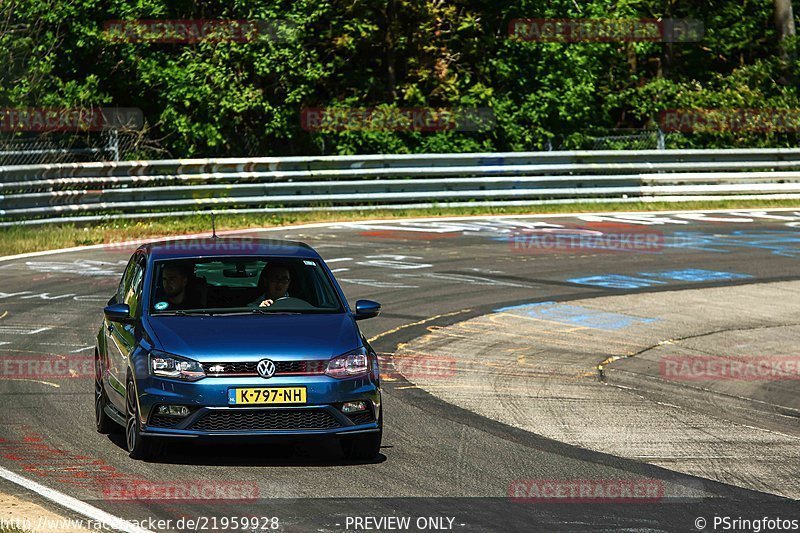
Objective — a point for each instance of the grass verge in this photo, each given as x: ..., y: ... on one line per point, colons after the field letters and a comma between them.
x: 22, y: 239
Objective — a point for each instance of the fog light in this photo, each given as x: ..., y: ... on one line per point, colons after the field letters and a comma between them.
x: 173, y: 410
x: 353, y: 407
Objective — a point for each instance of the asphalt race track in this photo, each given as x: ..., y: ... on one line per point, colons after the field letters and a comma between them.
x: 443, y: 464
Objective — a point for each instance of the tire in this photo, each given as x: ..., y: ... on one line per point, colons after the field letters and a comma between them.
x: 363, y: 447
x: 104, y: 423
x: 139, y: 447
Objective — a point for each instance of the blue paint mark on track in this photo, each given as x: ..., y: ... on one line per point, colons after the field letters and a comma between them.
x: 617, y: 281
x: 575, y: 315
x: 649, y: 279
x: 695, y: 274
x: 780, y: 242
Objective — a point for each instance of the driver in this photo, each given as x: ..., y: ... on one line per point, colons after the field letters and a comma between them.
x: 277, y: 280
x: 175, y: 284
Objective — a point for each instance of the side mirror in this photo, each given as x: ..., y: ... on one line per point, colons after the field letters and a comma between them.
x: 367, y: 309
x: 118, y: 313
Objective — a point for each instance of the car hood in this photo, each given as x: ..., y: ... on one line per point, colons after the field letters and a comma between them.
x: 252, y: 337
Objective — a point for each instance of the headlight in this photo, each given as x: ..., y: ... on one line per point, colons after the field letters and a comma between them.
x: 169, y: 366
x: 349, y: 365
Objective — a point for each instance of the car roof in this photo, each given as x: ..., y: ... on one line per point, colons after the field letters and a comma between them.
x: 226, y: 246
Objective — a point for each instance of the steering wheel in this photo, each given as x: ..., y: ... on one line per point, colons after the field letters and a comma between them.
x: 291, y: 302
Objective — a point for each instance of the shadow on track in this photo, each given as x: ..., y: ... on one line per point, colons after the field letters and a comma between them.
x: 323, y: 452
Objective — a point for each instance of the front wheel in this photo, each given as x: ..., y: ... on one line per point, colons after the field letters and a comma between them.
x: 139, y: 447
x: 103, y: 422
x: 363, y: 447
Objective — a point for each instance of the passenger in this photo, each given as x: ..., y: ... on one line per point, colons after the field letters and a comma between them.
x: 175, y: 284
x: 275, y: 280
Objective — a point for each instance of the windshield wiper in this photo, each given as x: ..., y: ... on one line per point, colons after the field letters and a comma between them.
x: 256, y: 311
x: 181, y: 312
x: 266, y: 311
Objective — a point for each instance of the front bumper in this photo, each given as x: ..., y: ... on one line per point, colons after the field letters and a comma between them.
x: 212, y: 417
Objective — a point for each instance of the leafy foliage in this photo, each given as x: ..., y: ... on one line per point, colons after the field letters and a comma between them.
x: 218, y: 97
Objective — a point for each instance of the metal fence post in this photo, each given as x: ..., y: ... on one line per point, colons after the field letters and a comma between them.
x: 661, y: 144
x: 113, y: 144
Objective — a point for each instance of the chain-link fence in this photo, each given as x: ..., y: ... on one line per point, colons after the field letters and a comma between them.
x: 115, y: 145
x: 614, y: 139
x: 51, y: 148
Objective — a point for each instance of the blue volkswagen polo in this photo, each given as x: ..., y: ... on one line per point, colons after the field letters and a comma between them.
x: 225, y: 338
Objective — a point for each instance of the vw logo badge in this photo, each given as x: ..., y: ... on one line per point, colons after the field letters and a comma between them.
x: 266, y: 368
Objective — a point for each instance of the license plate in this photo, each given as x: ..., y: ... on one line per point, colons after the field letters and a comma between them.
x: 267, y: 395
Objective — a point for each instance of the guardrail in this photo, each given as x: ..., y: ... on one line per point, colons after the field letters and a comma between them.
x: 38, y: 194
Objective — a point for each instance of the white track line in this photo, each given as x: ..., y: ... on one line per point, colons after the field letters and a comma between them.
x: 73, y: 504
x: 378, y: 221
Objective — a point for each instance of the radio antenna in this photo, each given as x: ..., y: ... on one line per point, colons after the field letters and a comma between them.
x: 213, y: 226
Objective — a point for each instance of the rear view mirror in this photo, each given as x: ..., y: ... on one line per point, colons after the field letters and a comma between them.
x: 118, y: 313
x: 239, y: 272
x: 367, y: 309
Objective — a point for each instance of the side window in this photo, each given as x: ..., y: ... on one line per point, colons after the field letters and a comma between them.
x: 325, y: 292
x: 125, y: 282
x: 133, y: 294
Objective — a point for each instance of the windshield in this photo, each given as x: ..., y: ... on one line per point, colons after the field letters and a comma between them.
x: 241, y: 285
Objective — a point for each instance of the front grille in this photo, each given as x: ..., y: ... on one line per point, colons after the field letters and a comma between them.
x: 361, y: 418
x: 281, y: 368
x: 268, y: 419
x: 230, y: 368
x: 161, y: 421
x: 300, y: 367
